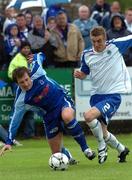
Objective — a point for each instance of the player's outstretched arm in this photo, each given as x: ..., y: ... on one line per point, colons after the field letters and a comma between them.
x: 7, y: 147
x: 79, y: 74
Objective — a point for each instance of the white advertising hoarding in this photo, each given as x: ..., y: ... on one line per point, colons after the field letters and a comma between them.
x: 82, y: 97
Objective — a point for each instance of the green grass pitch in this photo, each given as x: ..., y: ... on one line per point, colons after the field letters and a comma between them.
x: 30, y: 162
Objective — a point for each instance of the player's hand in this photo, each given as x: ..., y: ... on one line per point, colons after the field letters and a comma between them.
x: 30, y: 58
x: 79, y: 74
x: 7, y: 147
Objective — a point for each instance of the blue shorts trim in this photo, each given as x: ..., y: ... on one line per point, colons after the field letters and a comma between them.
x: 53, y: 122
x: 107, y: 104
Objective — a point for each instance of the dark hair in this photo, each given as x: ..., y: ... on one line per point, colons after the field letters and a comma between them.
x: 21, y: 15
x: 129, y: 9
x: 19, y: 72
x: 51, y: 18
x: 25, y: 43
x: 27, y: 12
x: 9, y: 27
x: 60, y: 12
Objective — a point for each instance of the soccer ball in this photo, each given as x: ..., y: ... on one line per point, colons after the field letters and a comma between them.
x: 58, y: 161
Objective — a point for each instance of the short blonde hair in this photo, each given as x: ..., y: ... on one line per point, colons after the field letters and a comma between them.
x: 97, y: 31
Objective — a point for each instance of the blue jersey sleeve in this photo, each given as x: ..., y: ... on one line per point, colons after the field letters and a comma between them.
x: 84, y: 67
x: 36, y: 66
x: 39, y: 57
x: 15, y: 123
x: 18, y: 113
x: 123, y: 43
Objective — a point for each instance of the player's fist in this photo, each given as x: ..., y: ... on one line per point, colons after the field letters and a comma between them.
x: 79, y: 74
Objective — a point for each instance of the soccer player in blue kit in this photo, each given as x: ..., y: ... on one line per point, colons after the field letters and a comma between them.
x: 109, y: 76
x: 39, y: 93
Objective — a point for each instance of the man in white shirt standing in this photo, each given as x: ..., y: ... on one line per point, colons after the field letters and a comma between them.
x: 105, y: 65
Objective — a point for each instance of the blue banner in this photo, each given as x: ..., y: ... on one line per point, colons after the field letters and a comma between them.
x: 2, y: 84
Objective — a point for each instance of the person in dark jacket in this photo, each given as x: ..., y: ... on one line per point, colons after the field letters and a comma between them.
x: 41, y: 40
x: 12, y: 41
x: 99, y: 10
x: 114, y: 8
x: 3, y: 58
x: 118, y: 29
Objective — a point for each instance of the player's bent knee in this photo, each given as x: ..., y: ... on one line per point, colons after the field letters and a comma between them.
x: 87, y: 116
x: 67, y: 118
x: 67, y: 115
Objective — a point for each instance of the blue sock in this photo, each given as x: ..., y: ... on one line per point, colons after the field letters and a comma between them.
x: 66, y: 152
x: 77, y: 133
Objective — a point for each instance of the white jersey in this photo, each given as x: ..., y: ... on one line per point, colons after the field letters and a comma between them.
x: 107, y: 69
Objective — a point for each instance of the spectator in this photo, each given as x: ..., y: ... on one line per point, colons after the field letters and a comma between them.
x: 52, y: 11
x: 118, y: 29
x: 128, y: 19
x: 21, y: 60
x: 29, y: 19
x: 51, y: 23
x: 2, y: 19
x: 10, y: 15
x: 85, y: 24
x: 12, y: 41
x: 41, y: 40
x: 99, y: 10
x: 3, y: 57
x: 21, y: 22
x: 69, y: 40
x: 114, y: 8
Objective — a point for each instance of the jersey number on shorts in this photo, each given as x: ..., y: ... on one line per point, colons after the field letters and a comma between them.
x: 106, y: 107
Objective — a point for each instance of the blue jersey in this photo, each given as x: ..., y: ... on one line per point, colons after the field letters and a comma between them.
x: 107, y: 69
x: 44, y: 96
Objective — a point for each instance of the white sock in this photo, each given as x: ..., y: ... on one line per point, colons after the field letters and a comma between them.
x: 96, y: 129
x: 114, y: 143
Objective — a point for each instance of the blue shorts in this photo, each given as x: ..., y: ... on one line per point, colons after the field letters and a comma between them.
x: 53, y: 122
x: 107, y: 104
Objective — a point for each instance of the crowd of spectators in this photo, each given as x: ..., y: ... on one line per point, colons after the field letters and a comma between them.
x: 61, y: 39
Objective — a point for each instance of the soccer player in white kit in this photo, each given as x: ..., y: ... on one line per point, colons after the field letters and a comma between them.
x: 105, y: 65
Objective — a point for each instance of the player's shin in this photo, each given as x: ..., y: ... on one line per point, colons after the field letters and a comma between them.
x: 76, y: 131
x: 96, y: 129
x: 114, y: 143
